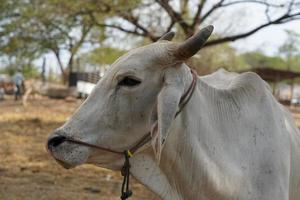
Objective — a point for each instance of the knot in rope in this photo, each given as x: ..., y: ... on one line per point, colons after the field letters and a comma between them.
x: 125, y: 191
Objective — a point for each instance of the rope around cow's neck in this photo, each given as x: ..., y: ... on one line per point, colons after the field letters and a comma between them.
x: 125, y: 171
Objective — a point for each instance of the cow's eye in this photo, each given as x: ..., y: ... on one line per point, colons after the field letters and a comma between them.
x: 129, y: 81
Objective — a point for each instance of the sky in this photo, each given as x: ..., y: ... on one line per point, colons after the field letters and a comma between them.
x: 268, y: 40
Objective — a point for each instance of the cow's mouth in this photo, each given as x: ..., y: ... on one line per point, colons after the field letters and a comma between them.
x: 60, y: 162
x: 64, y: 164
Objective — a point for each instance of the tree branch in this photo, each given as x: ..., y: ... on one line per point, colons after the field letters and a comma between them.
x: 183, y: 6
x: 96, y: 23
x: 57, y: 56
x: 290, y: 6
x: 221, y: 4
x: 175, y: 17
x: 213, y: 8
x: 254, y: 1
x: 283, y: 19
x: 133, y: 20
x: 85, y: 32
x: 197, y: 19
x: 75, y: 47
x: 170, y: 26
x: 267, y: 13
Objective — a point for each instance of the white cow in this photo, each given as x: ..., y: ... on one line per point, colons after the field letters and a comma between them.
x: 232, y: 140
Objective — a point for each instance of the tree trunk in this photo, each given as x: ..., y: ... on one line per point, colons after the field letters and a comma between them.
x: 64, y: 73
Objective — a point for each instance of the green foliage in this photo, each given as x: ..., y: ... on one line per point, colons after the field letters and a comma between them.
x: 257, y: 59
x: 7, y: 70
x: 290, y: 49
x: 29, y: 70
x: 103, y: 55
x: 100, y: 57
x: 215, y: 57
x: 289, y: 59
x: 292, y: 44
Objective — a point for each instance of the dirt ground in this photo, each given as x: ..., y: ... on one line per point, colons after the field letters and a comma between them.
x: 27, y: 171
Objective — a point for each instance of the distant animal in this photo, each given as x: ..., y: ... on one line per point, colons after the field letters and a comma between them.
x: 231, y: 141
x: 34, y: 89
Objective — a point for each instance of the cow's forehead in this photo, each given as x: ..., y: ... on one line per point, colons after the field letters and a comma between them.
x: 149, y: 56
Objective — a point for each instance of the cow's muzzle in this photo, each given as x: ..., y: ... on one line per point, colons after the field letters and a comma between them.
x: 54, y: 141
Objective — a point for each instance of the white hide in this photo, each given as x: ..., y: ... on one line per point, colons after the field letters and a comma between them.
x: 232, y: 141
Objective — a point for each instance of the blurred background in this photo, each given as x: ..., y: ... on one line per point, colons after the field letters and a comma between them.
x: 53, y: 52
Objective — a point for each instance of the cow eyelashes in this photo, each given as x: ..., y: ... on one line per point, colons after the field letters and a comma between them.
x: 129, y: 82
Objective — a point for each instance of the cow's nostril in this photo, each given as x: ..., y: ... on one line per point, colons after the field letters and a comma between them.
x: 56, y: 140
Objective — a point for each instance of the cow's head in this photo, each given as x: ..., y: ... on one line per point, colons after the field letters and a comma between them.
x: 143, y: 87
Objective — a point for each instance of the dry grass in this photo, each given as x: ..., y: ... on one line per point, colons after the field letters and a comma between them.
x: 27, y: 172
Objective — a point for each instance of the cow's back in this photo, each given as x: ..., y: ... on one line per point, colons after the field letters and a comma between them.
x: 282, y: 134
x: 294, y: 136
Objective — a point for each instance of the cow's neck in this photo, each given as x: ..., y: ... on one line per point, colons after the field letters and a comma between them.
x: 187, y: 169
x: 173, y: 178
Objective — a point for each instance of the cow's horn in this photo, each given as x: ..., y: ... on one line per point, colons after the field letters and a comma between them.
x: 167, y: 36
x: 192, y: 45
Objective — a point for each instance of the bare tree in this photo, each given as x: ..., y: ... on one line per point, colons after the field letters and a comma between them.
x: 188, y: 15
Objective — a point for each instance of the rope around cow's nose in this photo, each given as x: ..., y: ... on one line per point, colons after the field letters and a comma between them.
x: 125, y: 191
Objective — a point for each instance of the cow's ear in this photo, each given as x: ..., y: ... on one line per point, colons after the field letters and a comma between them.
x: 167, y: 106
x: 167, y: 36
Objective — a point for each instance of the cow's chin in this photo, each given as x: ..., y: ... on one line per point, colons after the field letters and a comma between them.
x: 64, y: 164
x: 70, y: 157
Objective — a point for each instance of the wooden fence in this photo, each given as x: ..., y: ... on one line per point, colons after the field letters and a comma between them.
x: 91, y: 77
